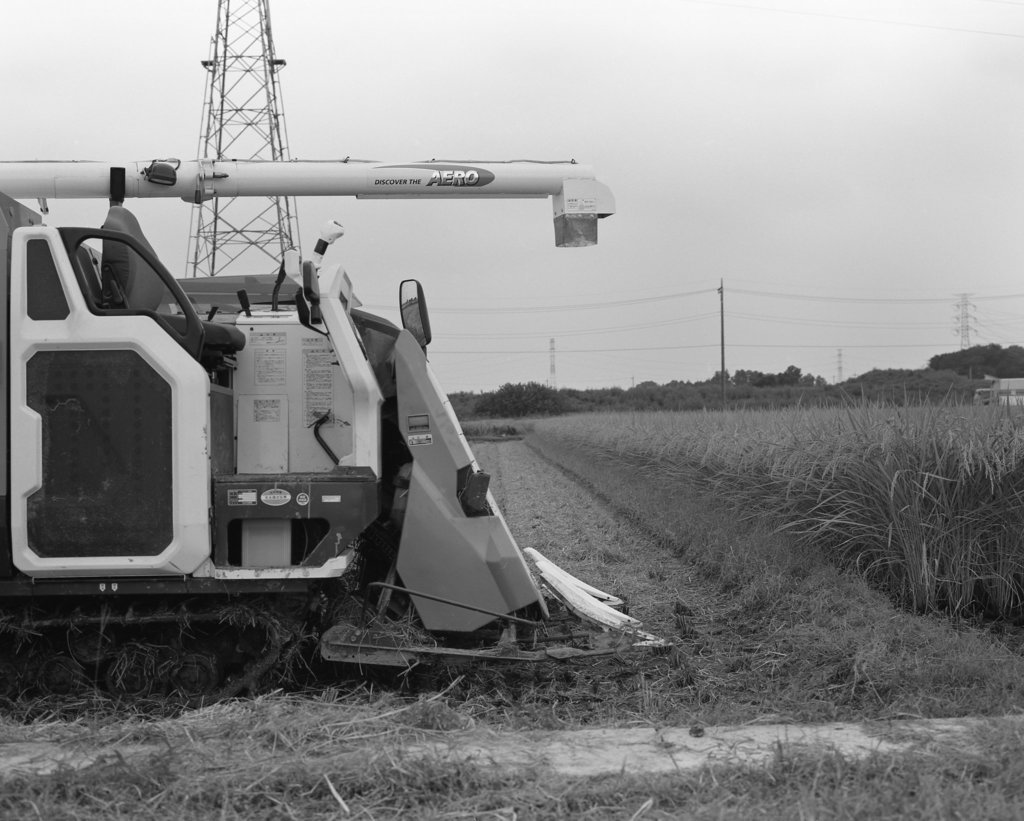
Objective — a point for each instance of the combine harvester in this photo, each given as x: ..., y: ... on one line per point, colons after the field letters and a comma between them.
x: 207, y: 480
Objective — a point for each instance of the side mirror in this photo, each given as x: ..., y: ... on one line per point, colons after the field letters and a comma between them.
x: 414, y: 311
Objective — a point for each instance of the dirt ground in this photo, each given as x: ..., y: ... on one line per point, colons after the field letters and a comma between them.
x: 551, y: 512
x: 575, y: 753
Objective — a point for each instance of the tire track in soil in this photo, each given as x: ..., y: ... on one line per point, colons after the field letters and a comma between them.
x: 734, y: 666
x: 550, y: 510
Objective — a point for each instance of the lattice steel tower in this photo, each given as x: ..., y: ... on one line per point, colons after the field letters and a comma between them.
x: 965, y: 320
x: 243, y: 119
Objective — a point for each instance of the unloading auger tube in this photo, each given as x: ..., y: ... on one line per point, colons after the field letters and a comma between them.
x: 205, y: 477
x: 578, y: 199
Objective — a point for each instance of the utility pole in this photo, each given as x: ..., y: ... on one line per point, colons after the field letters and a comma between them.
x: 839, y: 366
x: 552, y: 380
x: 243, y: 119
x: 721, y: 322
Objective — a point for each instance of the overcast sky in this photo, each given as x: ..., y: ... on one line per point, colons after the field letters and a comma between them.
x: 849, y: 169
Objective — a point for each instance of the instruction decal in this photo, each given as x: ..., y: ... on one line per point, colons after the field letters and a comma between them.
x: 270, y: 360
x: 242, y: 498
x: 318, y: 366
x: 266, y: 410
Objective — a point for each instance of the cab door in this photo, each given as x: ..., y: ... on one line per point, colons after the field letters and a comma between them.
x: 109, y: 418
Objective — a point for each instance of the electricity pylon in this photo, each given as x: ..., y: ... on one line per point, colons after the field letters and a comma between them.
x: 243, y: 119
x: 964, y: 320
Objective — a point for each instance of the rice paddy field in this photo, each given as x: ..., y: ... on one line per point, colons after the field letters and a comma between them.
x: 926, y: 502
x: 810, y: 567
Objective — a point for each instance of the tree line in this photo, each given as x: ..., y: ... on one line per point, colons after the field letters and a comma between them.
x: 948, y: 377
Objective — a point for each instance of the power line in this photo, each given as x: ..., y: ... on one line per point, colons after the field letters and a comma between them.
x: 786, y: 320
x: 851, y: 299
x: 534, y: 309
x: 794, y: 346
x: 850, y: 17
x: 584, y: 332
x: 872, y: 300
x: 578, y: 306
x: 997, y: 296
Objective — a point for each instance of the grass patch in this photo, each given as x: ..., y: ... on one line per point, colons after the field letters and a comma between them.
x: 786, y: 635
x: 254, y: 775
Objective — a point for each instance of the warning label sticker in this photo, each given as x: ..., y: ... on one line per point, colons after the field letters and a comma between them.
x: 317, y: 379
x: 270, y: 361
x: 267, y: 338
x: 271, y: 366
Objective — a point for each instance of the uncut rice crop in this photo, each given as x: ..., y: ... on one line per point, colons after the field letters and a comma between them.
x: 927, y: 502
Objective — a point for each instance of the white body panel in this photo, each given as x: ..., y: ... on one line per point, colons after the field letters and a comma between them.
x: 189, y: 385
x: 288, y: 377
x: 285, y: 365
x: 335, y: 293
x: 330, y: 569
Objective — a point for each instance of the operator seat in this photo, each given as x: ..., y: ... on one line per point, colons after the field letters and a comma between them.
x: 127, y: 281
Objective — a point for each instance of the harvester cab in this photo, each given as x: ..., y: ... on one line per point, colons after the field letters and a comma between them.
x: 205, y: 474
